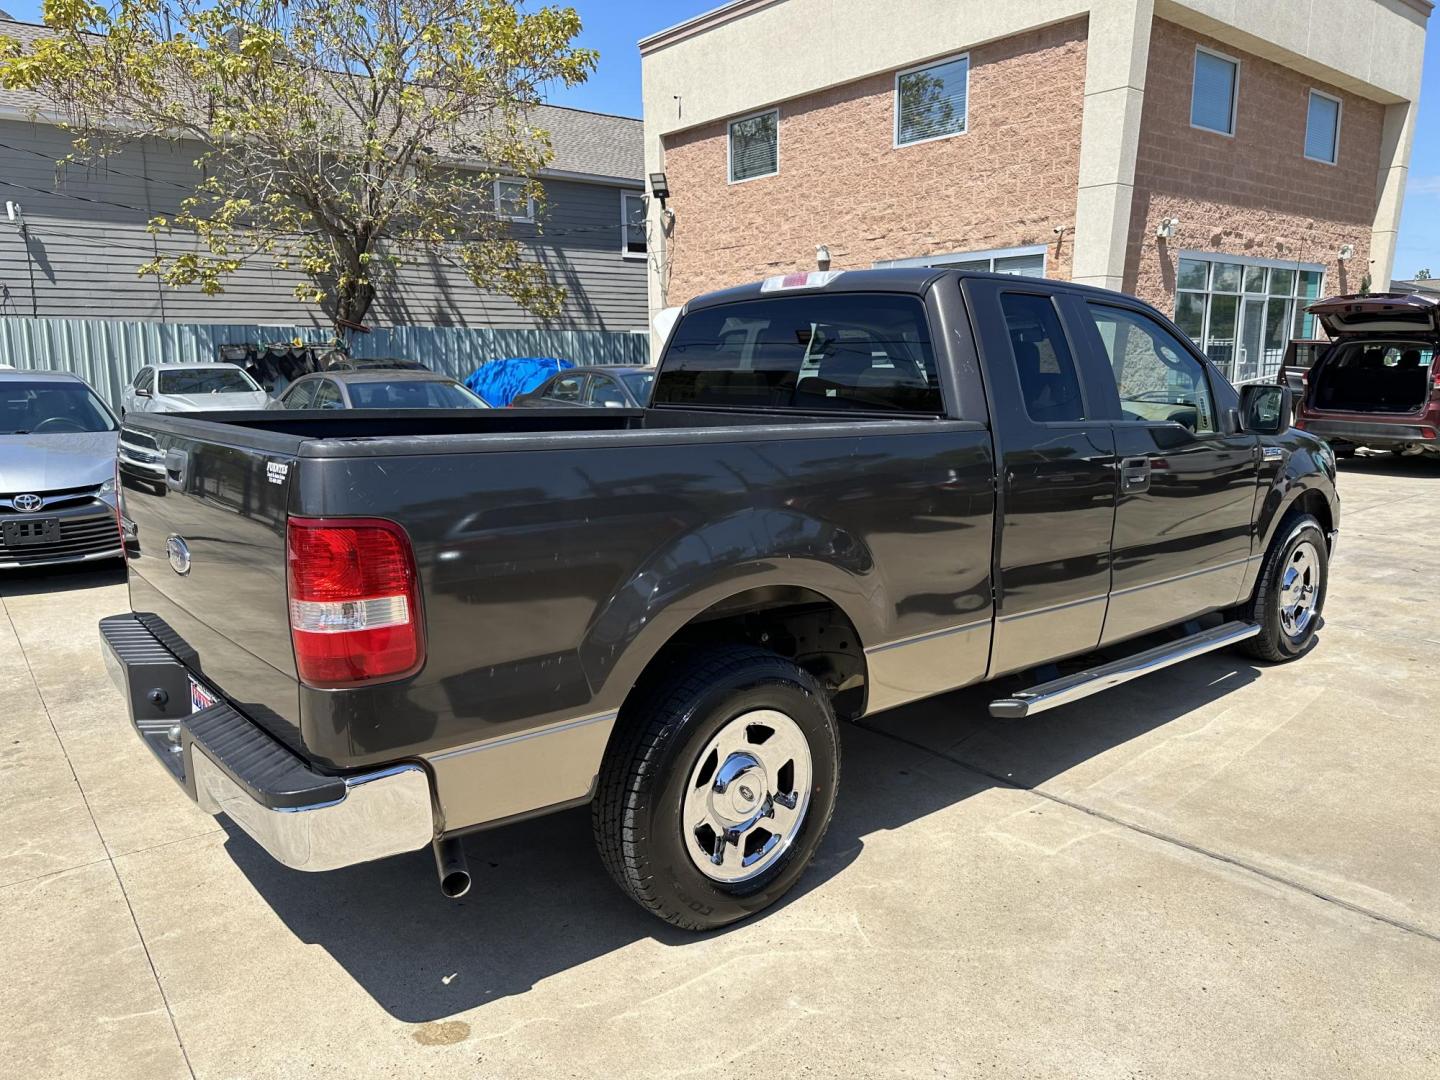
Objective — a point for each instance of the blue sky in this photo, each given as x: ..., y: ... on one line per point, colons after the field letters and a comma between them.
x: 614, y: 26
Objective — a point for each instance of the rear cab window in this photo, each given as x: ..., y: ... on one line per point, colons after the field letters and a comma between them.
x: 858, y: 352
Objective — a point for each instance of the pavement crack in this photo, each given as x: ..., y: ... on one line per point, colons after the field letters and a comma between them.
x: 1164, y: 838
x: 109, y: 856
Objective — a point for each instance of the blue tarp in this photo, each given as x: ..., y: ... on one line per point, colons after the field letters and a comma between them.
x: 500, y: 382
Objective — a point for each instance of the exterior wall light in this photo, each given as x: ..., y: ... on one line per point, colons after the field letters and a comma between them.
x: 659, y: 187
x: 1346, y: 252
x: 1166, y: 229
x: 822, y: 257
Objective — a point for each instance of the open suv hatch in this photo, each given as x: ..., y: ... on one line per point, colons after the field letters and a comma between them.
x: 1378, y: 384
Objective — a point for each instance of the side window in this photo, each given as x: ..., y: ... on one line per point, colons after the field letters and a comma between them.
x: 327, y: 396
x: 818, y: 353
x: 1157, y: 377
x: 567, y: 389
x: 301, y: 395
x: 604, y: 393
x: 1049, y: 382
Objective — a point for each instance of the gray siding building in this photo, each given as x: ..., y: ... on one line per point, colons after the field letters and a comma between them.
x: 77, y: 235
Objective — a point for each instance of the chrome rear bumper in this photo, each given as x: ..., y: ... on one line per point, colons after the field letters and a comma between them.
x: 305, y: 819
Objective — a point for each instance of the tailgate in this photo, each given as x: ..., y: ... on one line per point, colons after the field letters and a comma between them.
x: 207, y: 556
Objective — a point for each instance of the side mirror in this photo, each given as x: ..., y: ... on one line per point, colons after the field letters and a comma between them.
x: 142, y: 393
x: 1265, y: 408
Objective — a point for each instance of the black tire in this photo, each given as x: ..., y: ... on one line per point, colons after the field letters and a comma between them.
x: 655, y: 751
x: 1275, y: 644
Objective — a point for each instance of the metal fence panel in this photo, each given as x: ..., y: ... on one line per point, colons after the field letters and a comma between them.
x: 107, y: 353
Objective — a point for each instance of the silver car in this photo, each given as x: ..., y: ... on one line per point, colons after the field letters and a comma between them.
x: 57, y: 471
x: 197, y: 387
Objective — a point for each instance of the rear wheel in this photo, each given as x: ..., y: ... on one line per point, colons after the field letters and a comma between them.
x: 719, y: 787
x: 1290, y: 593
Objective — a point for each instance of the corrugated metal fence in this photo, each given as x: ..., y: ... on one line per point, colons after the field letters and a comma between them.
x: 107, y: 353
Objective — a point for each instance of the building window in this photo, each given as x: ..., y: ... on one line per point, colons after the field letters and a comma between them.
x: 931, y: 102
x: 1242, y: 311
x: 1026, y: 261
x: 513, y: 201
x: 1215, y: 92
x: 755, y: 146
x: 632, y: 224
x: 1322, y: 128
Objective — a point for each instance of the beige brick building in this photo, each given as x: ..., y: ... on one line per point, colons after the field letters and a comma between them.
x: 1225, y: 160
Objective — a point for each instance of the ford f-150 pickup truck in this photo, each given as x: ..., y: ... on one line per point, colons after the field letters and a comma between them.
x: 358, y: 635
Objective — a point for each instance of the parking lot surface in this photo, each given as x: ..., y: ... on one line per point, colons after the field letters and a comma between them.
x: 1222, y: 870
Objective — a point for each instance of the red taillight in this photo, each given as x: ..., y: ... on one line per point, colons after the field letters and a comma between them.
x: 354, y: 601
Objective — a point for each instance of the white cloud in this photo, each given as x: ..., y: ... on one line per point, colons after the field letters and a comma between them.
x: 1424, y: 185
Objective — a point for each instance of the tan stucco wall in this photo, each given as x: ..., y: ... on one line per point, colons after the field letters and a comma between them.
x: 1254, y: 194
x: 1006, y: 182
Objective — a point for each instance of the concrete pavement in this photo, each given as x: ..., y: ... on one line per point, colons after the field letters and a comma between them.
x: 1224, y: 870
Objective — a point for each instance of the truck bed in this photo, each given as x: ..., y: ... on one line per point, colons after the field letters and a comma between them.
x: 548, y: 543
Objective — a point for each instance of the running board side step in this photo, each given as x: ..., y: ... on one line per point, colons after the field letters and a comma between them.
x: 1095, y: 680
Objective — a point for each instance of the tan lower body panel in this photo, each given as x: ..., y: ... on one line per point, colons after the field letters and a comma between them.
x: 519, y: 774
x: 923, y: 666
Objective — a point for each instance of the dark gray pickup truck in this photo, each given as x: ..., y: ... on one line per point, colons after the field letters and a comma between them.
x: 359, y: 635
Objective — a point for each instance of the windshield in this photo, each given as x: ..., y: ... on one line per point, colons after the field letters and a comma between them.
x: 54, y: 407
x: 408, y: 394
x: 226, y: 380
x: 638, y: 383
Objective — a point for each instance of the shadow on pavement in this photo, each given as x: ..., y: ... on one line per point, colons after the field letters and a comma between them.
x: 72, y: 577
x: 542, y: 903
x: 1390, y: 465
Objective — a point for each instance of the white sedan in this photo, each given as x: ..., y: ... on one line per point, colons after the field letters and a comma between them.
x: 199, y: 387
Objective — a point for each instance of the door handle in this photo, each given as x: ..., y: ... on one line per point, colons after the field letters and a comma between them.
x: 1134, y: 475
x: 176, y: 463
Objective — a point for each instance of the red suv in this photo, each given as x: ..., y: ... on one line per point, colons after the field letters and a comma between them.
x: 1377, y: 385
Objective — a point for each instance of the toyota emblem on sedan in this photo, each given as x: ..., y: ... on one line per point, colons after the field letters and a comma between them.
x: 179, y: 554
x: 27, y: 504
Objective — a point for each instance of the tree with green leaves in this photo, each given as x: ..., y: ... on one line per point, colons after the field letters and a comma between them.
x: 337, y: 139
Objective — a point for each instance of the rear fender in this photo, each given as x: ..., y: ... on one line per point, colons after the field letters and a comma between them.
x: 751, y: 549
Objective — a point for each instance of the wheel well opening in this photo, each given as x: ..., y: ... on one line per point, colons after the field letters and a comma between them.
x: 798, y: 623
x: 1315, y: 504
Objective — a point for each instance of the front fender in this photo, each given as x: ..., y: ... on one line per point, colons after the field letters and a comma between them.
x: 750, y: 549
x: 1307, y: 465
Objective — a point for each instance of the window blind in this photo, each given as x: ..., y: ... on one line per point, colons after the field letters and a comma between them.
x: 755, y: 146
x: 1321, y: 128
x: 1212, y: 99
x: 932, y: 102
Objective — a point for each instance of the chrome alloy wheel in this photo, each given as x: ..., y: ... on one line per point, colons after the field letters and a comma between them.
x: 747, y: 796
x: 1299, y: 589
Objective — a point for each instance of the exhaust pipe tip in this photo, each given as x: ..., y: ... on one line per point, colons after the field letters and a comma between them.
x: 455, y: 884
x: 450, y: 865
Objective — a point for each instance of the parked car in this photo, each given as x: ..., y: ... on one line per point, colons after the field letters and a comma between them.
x: 377, y: 390
x: 598, y: 387
x: 1378, y: 385
x: 342, y: 362
x: 664, y: 613
x: 57, y: 471
x: 1300, y: 357
x: 191, y: 387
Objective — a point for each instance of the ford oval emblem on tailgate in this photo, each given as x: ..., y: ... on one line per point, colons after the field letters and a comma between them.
x: 179, y: 554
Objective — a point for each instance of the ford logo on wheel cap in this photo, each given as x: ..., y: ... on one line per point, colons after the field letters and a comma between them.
x: 27, y: 504
x: 179, y: 554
